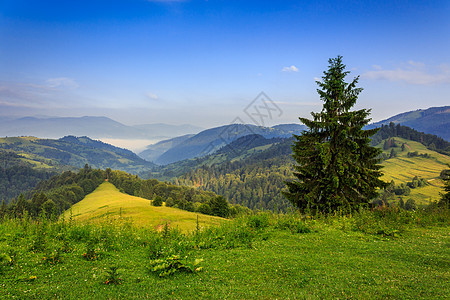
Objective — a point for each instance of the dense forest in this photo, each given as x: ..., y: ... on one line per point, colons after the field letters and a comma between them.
x: 255, y: 182
x: 18, y: 176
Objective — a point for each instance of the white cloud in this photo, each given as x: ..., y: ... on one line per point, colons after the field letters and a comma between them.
x: 62, y: 82
x: 317, y: 79
x: 17, y: 104
x: 416, y: 73
x: 290, y: 69
x: 152, y: 96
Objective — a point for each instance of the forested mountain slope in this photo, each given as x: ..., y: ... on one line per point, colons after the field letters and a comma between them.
x: 75, y: 152
x: 17, y: 175
x: 257, y: 180
x: 211, y: 140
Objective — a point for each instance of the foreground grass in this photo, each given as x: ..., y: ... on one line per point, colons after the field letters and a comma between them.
x: 107, y: 203
x: 257, y: 257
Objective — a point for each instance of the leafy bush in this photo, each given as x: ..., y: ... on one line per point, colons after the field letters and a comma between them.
x: 290, y: 222
x: 158, y: 201
x: 173, y: 264
x: 258, y: 221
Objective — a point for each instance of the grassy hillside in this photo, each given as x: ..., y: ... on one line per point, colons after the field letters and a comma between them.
x: 107, y: 202
x: 402, y: 169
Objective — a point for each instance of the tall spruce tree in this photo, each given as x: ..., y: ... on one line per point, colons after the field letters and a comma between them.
x: 445, y: 197
x: 336, y: 167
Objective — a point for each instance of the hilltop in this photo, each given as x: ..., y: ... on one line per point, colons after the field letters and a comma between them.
x: 108, y: 203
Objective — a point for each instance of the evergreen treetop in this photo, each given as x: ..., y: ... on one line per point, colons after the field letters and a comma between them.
x: 336, y: 166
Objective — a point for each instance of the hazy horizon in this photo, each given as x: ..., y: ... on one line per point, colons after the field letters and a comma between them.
x: 205, y: 62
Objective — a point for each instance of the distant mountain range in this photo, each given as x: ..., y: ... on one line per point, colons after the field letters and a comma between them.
x: 94, y: 127
x: 434, y: 120
x: 211, y: 140
x: 74, y: 152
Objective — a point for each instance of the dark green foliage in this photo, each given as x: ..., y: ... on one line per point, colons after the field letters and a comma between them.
x: 416, y: 183
x: 204, y: 208
x: 219, y: 206
x: 417, y: 154
x: 292, y: 223
x: 158, y: 201
x: 258, y: 221
x: 445, y: 197
x: 18, y: 176
x: 402, y: 189
x: 254, y: 182
x: 336, y: 167
x: 112, y: 276
x: 410, y: 204
x: 170, y: 202
x: 393, y: 153
x: 91, y: 252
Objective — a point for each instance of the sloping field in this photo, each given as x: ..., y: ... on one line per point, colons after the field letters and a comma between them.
x: 402, y: 169
x: 106, y: 202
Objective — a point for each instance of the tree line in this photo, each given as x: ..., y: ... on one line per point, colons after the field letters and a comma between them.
x: 431, y: 141
x: 58, y: 193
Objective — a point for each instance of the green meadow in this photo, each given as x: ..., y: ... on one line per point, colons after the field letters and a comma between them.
x: 384, y: 254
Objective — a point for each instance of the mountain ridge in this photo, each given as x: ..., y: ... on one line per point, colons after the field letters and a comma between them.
x: 433, y: 120
x: 96, y: 127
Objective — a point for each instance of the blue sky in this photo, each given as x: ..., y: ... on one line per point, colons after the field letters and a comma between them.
x: 204, y: 62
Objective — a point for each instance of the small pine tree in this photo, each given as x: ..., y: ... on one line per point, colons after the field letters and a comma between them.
x: 393, y: 153
x: 401, y: 203
x: 219, y: 206
x: 336, y: 166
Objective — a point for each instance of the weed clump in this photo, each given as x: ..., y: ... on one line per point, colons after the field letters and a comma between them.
x: 173, y: 264
x: 112, y: 276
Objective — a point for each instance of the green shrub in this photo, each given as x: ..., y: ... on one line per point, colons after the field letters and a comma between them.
x: 258, y: 221
x: 158, y: 201
x: 173, y: 264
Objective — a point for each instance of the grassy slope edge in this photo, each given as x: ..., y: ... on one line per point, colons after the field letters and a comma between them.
x: 107, y: 202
